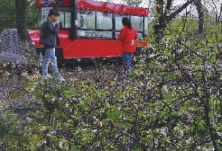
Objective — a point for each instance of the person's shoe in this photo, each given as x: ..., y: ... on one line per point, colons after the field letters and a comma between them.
x: 60, y: 77
x: 46, y: 76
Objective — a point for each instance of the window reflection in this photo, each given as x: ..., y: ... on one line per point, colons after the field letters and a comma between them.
x: 137, y: 22
x: 118, y: 21
x: 104, y: 20
x: 94, y: 34
x: 65, y: 19
x: 146, y: 25
x: 140, y: 35
x: 92, y: 24
x: 86, y: 19
x: 116, y: 35
x: 62, y: 19
x: 43, y: 13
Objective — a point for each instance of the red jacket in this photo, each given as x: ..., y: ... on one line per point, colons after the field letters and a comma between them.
x: 128, y: 36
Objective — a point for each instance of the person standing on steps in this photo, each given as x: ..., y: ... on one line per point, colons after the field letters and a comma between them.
x: 48, y: 40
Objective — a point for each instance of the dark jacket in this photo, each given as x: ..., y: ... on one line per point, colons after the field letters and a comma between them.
x: 48, y: 34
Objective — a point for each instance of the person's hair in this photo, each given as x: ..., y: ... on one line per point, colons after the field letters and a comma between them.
x: 126, y: 22
x: 53, y: 12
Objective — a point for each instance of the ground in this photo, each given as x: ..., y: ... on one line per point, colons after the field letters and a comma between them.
x: 17, y: 79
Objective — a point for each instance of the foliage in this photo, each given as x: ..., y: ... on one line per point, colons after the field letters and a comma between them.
x: 32, y: 15
x: 172, y: 101
x: 178, y: 26
x: 7, y: 11
x: 3, y: 128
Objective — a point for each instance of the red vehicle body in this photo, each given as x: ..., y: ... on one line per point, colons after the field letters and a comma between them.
x: 90, y: 28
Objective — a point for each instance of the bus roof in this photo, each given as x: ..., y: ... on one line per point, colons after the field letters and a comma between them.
x: 97, y: 5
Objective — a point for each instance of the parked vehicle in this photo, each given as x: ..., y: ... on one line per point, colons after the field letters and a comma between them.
x: 89, y: 29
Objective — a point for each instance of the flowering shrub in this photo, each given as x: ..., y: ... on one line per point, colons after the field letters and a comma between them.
x: 142, y: 42
x: 171, y: 101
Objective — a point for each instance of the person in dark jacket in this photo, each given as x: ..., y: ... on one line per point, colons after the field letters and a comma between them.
x: 127, y: 36
x: 48, y: 40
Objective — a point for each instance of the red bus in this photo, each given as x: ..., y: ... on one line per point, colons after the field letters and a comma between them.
x: 89, y: 29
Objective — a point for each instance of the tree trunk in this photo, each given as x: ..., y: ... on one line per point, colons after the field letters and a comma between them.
x: 160, y: 23
x: 21, y: 22
x: 21, y: 11
x: 200, y: 11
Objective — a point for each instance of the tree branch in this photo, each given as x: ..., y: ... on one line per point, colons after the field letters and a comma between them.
x: 174, y: 14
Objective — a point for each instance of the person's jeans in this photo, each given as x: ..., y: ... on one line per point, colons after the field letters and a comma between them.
x: 127, y: 57
x: 50, y: 55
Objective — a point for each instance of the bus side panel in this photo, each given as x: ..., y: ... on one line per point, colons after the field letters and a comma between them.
x: 87, y: 48
x: 35, y: 35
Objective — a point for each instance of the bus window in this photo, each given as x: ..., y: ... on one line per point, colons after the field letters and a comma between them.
x: 104, y: 20
x: 146, y: 25
x: 86, y: 19
x: 61, y: 19
x: 94, y: 34
x: 42, y: 15
x: 140, y: 36
x: 118, y: 22
x: 103, y: 34
x: 137, y: 22
x: 65, y: 19
x: 116, y: 35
